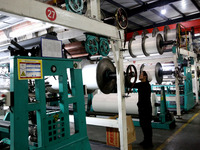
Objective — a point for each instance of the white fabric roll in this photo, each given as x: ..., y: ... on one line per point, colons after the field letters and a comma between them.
x: 89, y: 76
x: 108, y: 103
x: 150, y: 45
x: 136, y: 46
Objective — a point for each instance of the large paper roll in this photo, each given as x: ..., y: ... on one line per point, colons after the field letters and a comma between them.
x: 89, y: 76
x: 108, y: 103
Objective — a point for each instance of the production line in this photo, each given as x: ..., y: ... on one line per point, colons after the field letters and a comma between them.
x: 65, y: 86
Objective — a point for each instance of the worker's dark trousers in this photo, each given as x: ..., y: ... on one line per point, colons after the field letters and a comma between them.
x: 145, y: 116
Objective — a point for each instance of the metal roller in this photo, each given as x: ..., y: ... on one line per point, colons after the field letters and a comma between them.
x: 170, y: 34
x: 174, y: 34
x: 152, y: 45
x: 156, y: 72
x: 76, y: 49
x: 103, y: 76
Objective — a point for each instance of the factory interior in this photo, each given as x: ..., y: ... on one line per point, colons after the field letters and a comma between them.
x: 69, y: 70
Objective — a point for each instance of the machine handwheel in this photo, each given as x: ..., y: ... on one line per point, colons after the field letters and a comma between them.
x: 121, y: 18
x: 131, y: 76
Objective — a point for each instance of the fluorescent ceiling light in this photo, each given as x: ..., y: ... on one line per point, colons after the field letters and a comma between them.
x: 163, y: 11
x: 183, y: 4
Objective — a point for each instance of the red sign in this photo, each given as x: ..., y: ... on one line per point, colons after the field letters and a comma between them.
x: 51, y: 13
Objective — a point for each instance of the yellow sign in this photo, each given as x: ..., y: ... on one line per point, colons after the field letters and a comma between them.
x: 56, y: 117
x: 23, y: 74
x: 29, y: 69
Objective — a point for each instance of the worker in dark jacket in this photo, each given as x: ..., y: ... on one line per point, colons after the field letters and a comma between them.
x: 144, y: 107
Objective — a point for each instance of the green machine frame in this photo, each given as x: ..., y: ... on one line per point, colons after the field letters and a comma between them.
x: 53, y: 128
x: 187, y: 97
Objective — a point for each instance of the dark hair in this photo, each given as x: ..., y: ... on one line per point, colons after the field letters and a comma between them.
x: 145, y: 74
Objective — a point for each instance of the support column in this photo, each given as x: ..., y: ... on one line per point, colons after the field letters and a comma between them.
x: 93, y: 9
x: 116, y: 46
x: 196, y: 81
x: 178, y: 105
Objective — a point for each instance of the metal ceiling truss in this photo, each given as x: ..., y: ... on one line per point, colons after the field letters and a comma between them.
x: 177, y: 10
x: 196, y: 4
x: 127, y: 10
x: 159, y: 14
x: 146, y: 7
x: 183, y: 19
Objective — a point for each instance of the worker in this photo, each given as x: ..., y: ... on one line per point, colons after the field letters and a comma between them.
x: 144, y: 107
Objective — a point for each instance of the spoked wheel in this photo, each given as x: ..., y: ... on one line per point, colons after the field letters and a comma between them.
x: 131, y: 76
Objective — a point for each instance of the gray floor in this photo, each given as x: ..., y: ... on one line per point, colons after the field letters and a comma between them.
x: 187, y: 139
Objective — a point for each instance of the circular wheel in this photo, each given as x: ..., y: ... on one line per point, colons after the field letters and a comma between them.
x: 105, y: 83
x: 121, y: 18
x: 76, y: 6
x: 131, y: 76
x: 159, y: 73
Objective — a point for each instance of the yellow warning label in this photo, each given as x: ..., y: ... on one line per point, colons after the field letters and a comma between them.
x: 56, y: 117
x: 23, y: 74
x: 29, y: 69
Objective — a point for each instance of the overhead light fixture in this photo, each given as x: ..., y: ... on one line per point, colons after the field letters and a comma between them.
x: 163, y: 11
x: 183, y: 4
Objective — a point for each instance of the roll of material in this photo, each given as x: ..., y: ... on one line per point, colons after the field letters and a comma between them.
x: 171, y: 35
x: 152, y: 45
x: 151, y: 68
x: 89, y: 76
x: 108, y: 103
x: 135, y: 46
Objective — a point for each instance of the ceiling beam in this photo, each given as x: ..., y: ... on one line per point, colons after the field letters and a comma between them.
x: 116, y: 4
x: 159, y: 14
x: 127, y: 10
x: 145, y: 19
x: 140, y: 2
x: 183, y: 19
x: 146, y: 6
x: 177, y: 10
x: 195, y: 4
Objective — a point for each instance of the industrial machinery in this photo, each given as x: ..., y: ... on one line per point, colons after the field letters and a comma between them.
x: 103, y: 76
x: 93, y: 45
x: 146, y: 45
x: 186, y: 92
x: 48, y: 128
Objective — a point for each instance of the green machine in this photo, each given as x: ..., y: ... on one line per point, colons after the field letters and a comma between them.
x: 186, y: 92
x: 164, y: 120
x: 51, y: 129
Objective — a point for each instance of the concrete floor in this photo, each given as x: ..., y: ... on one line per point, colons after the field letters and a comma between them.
x: 185, y: 136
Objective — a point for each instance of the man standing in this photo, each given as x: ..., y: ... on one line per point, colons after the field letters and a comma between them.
x: 144, y: 107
